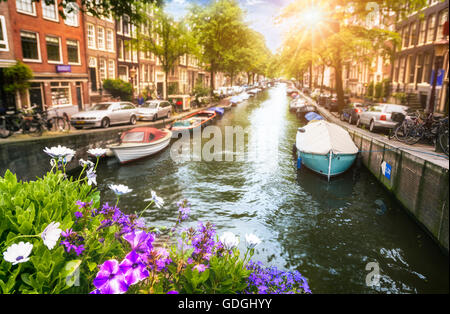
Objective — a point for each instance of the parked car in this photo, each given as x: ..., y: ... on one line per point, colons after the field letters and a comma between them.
x: 154, y: 109
x: 352, y: 111
x: 379, y: 116
x: 332, y: 104
x: 105, y: 114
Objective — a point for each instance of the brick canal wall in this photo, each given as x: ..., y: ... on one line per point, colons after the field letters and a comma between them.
x: 420, y: 185
x: 26, y: 158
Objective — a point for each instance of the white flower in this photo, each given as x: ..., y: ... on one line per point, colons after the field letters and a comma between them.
x: 18, y: 253
x: 88, y: 163
x: 60, y: 152
x: 159, y: 202
x: 252, y: 240
x: 120, y: 189
x: 91, y: 176
x: 51, y: 234
x: 229, y: 240
x: 97, y: 152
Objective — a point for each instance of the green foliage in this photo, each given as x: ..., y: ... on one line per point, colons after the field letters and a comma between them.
x: 400, y: 97
x: 378, y: 90
x: 17, y: 78
x: 118, y: 88
x: 27, y: 208
x: 370, y: 89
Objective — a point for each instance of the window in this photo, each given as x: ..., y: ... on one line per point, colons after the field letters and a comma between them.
x: 443, y: 17
x: 431, y: 25
x: 402, y: 70
x: 91, y: 36
x: 412, y: 68
x: 406, y: 36
x: 3, y: 35
x: 102, y: 69
x: 120, y: 49
x: 53, y: 49
x: 30, y: 46
x: 71, y: 11
x: 123, y: 73
x: 60, y: 93
x: 72, y: 51
x: 126, y: 25
x: 423, y: 31
x: 26, y: 6
x: 427, y: 69
x: 111, y: 69
x: 101, y: 37
x: 135, y: 55
x: 127, y: 51
x: 119, y: 26
x: 413, y: 34
x: 49, y: 11
x: 419, y: 68
x: 109, y: 40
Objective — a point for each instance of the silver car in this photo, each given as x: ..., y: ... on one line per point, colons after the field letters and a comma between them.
x: 105, y: 114
x: 155, y: 109
x: 379, y: 116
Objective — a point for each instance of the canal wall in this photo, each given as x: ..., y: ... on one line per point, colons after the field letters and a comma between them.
x: 26, y: 158
x: 419, y: 184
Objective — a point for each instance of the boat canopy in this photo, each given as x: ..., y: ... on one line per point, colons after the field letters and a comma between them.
x: 322, y: 137
x: 142, y: 135
x: 313, y: 116
x: 220, y: 111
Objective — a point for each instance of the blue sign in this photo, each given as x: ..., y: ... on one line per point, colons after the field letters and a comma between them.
x: 440, y: 77
x: 386, y: 169
x: 63, y: 68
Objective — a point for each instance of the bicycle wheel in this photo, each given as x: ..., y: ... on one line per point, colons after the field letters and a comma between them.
x: 415, y: 134
x: 443, y: 140
x: 59, y: 124
x: 401, y: 132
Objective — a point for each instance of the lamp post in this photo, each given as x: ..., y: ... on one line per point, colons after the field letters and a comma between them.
x: 439, y: 51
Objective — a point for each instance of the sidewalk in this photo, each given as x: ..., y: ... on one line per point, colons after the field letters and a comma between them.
x: 157, y: 124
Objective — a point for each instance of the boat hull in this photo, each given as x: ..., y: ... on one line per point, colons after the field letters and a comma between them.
x: 130, y: 153
x: 320, y: 163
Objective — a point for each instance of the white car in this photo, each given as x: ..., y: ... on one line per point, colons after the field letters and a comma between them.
x: 154, y: 109
x: 105, y: 114
x: 379, y: 116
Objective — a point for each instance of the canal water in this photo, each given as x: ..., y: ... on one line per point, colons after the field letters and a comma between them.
x: 336, y: 234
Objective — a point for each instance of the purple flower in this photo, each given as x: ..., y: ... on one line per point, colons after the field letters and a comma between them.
x: 172, y: 292
x: 200, y: 267
x: 140, y: 241
x: 72, y: 241
x: 110, y: 279
x: 133, y: 268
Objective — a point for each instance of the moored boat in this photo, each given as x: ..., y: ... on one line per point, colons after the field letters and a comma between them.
x: 140, y: 142
x: 219, y: 110
x: 195, y: 120
x: 325, y: 148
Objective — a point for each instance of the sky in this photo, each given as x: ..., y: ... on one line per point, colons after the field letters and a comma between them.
x: 260, y: 16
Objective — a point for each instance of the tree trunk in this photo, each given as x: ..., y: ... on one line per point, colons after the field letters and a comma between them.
x: 231, y: 78
x: 323, y: 74
x: 310, y: 76
x: 339, y: 82
x: 212, y: 82
x: 166, y: 87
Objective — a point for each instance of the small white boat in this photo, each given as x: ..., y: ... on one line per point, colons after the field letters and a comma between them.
x: 140, y: 142
x: 325, y: 148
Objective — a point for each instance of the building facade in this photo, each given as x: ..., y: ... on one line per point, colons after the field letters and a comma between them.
x: 7, y: 57
x: 101, y: 54
x: 415, y: 61
x: 54, y: 49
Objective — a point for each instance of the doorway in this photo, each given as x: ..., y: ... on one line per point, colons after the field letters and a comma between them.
x: 35, y: 92
x: 79, y: 93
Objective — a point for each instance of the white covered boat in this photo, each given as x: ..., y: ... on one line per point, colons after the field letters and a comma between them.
x: 325, y: 148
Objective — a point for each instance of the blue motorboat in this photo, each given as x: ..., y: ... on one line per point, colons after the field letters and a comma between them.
x: 220, y: 111
x: 325, y: 148
x: 313, y: 116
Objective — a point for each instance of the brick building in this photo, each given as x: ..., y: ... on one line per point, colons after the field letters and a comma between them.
x: 101, y: 54
x: 7, y: 57
x: 54, y: 50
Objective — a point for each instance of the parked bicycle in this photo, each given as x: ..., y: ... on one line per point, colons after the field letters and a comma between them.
x: 414, y: 128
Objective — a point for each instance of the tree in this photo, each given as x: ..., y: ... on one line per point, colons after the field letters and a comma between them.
x: 217, y: 28
x: 169, y: 40
x: 118, y: 88
x: 357, y: 39
x: 17, y: 78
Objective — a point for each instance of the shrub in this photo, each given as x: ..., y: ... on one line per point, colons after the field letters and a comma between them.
x: 118, y: 88
x: 17, y: 78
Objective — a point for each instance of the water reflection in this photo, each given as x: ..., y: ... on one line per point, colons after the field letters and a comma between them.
x: 327, y: 231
